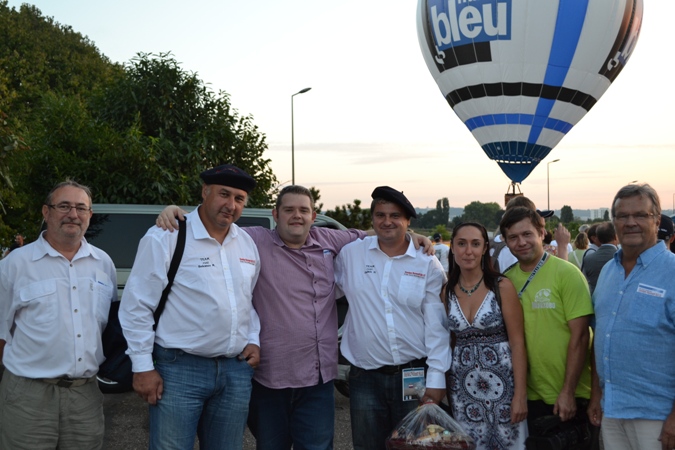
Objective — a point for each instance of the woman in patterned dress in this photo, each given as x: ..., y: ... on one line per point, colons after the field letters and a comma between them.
x: 487, y: 388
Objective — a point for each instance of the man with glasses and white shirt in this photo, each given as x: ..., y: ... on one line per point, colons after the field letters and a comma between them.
x: 55, y: 294
x: 633, y: 390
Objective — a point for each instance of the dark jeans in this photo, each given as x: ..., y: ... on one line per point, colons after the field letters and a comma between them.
x: 537, y: 408
x: 376, y: 407
x: 301, y: 417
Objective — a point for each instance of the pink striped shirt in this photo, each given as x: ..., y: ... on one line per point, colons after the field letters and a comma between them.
x: 295, y: 300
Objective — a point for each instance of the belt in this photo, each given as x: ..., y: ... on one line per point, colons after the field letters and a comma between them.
x: 392, y: 370
x: 67, y: 382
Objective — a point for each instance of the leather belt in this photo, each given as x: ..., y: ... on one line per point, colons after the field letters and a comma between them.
x: 67, y: 382
x: 392, y: 370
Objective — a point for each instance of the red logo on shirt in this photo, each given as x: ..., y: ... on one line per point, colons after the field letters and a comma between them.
x: 414, y: 274
x: 247, y: 261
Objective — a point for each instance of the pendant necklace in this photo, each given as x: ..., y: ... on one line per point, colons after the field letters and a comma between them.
x: 472, y: 290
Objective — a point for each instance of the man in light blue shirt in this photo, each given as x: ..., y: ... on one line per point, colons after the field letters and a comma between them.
x: 634, y: 302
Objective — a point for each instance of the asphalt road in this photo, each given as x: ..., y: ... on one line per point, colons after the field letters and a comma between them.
x: 127, y: 426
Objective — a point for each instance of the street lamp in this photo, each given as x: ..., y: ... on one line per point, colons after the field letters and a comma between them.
x: 548, y: 189
x: 293, y: 136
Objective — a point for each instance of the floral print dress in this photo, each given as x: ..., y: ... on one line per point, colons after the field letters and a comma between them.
x: 481, y: 377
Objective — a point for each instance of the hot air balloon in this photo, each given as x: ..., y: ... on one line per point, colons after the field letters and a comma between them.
x: 521, y: 73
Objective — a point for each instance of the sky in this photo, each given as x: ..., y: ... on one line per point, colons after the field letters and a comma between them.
x: 374, y: 115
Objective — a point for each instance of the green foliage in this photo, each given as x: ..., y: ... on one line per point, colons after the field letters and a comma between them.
x: 566, y: 214
x: 487, y: 214
x: 352, y: 216
x: 434, y: 217
x: 316, y: 196
x: 605, y: 216
x: 443, y: 230
x: 139, y: 133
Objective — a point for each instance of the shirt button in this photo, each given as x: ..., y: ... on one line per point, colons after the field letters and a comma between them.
x: 74, y: 287
x: 614, y: 313
x: 79, y: 359
x: 79, y: 335
x: 75, y: 310
x: 607, y: 335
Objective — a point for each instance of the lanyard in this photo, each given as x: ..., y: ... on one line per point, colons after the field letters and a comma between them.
x: 534, y: 272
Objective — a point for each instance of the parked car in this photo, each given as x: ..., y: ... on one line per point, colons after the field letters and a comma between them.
x: 117, y: 229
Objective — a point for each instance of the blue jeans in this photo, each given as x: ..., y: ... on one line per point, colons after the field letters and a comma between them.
x: 206, y: 397
x: 301, y: 417
x: 376, y: 406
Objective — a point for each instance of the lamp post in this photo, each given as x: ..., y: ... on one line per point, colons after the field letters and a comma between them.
x: 548, y: 189
x: 293, y: 135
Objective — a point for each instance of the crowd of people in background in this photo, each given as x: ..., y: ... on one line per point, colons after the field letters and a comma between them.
x: 499, y: 329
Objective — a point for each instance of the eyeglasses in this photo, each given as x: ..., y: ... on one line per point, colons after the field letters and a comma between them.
x: 638, y: 217
x: 65, y: 208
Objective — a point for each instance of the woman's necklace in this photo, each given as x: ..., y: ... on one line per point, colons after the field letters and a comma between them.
x: 472, y: 290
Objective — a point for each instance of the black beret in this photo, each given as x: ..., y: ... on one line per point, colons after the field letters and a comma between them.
x: 394, y: 196
x: 229, y: 175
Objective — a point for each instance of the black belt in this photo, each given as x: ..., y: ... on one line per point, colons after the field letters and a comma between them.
x: 392, y: 370
x: 67, y: 382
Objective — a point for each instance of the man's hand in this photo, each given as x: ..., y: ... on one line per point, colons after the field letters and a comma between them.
x: 149, y: 386
x: 565, y: 406
x: 667, y: 436
x: 562, y: 237
x: 594, y: 410
x: 424, y: 242
x: 167, y: 218
x: 433, y: 395
x: 251, y: 354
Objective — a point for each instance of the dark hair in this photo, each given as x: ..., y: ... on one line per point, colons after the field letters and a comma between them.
x: 490, y: 275
x: 521, y: 201
x: 294, y: 189
x: 606, y: 232
x: 68, y: 182
x: 643, y: 190
x: 514, y: 215
x: 593, y: 231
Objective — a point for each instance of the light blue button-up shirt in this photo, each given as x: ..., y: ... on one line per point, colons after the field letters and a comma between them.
x: 635, y: 335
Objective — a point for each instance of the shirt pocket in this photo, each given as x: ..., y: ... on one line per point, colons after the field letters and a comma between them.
x: 647, y: 309
x: 411, y: 291
x: 40, y: 301
x: 104, y: 294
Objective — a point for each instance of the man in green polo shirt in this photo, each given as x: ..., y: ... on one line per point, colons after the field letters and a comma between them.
x: 557, y: 308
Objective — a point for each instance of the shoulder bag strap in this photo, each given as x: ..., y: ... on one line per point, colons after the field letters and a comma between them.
x: 173, y: 268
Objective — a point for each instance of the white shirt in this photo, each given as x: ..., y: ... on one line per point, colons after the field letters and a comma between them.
x: 395, y: 311
x: 443, y: 253
x: 54, y: 311
x: 570, y: 249
x: 208, y: 312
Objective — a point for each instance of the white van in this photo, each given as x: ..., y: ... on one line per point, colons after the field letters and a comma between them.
x: 117, y: 229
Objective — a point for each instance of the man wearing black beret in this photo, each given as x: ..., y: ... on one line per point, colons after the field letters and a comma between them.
x: 395, y: 332
x: 195, y: 369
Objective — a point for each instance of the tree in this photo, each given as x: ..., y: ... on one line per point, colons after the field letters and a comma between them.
x: 483, y: 213
x: 605, y: 216
x: 566, y: 214
x: 434, y: 217
x: 352, y: 216
x: 316, y: 196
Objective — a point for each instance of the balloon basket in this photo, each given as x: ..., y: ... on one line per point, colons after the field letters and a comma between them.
x: 512, y: 193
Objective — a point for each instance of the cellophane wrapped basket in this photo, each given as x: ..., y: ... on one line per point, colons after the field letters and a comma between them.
x: 429, y: 428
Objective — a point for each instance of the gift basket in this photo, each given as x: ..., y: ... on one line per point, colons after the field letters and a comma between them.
x: 429, y: 428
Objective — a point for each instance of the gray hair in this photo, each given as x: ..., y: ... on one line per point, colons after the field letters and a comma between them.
x: 642, y: 190
x: 68, y: 182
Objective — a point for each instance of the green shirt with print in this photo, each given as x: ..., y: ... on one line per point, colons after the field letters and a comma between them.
x: 557, y: 294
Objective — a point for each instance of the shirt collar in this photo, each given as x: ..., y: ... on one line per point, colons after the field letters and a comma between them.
x: 647, y: 256
x: 42, y: 249
x: 375, y: 245
x: 199, y: 230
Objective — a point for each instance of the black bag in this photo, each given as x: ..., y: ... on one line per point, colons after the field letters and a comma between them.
x: 114, y: 374
x: 549, y: 433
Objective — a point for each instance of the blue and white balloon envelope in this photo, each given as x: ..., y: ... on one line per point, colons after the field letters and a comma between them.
x: 521, y: 73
